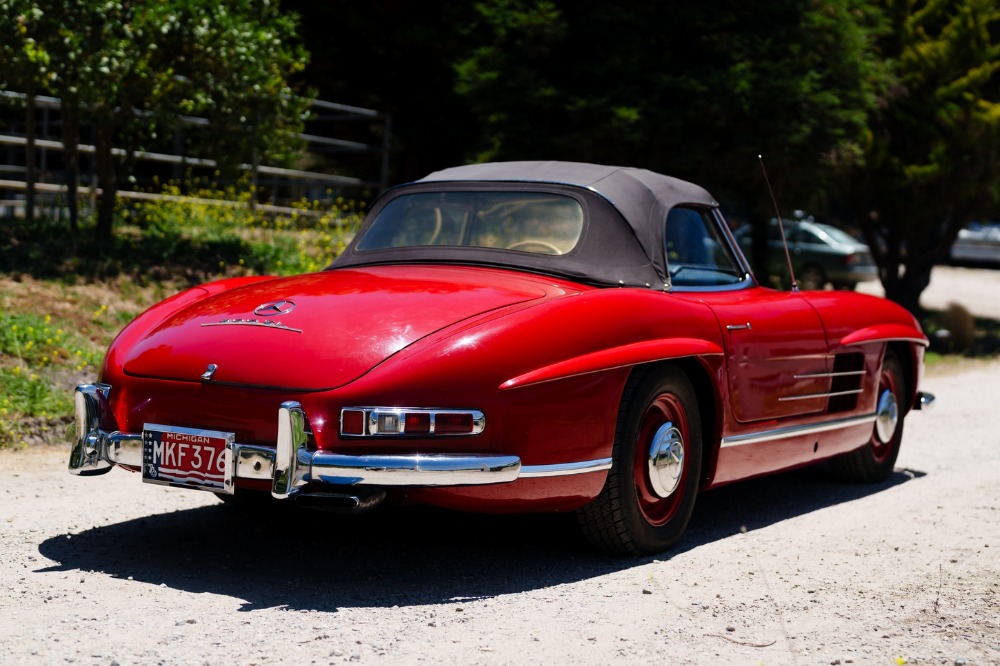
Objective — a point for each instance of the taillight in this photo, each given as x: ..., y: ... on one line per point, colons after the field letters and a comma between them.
x: 352, y: 422
x: 453, y: 424
x: 407, y: 421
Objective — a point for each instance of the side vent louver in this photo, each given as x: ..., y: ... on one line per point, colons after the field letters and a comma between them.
x: 848, y: 375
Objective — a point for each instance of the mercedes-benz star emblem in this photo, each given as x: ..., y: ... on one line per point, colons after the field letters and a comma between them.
x: 274, y: 308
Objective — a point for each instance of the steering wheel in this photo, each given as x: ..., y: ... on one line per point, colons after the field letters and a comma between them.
x: 534, y: 242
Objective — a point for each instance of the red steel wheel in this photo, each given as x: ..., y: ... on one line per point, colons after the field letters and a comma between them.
x: 660, y: 463
x: 650, y: 492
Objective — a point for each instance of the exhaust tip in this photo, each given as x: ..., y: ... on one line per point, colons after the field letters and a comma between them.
x: 340, y: 502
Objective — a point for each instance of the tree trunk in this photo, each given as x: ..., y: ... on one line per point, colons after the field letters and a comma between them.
x: 907, y: 288
x: 107, y: 180
x: 29, y: 156
x: 71, y: 143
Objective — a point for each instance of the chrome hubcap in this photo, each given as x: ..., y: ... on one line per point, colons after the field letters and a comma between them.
x: 666, y: 460
x: 886, y: 416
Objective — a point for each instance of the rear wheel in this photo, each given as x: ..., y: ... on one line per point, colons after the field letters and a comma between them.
x: 875, y: 460
x: 650, y: 492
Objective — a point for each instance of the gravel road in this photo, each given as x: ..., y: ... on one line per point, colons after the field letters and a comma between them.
x: 794, y: 569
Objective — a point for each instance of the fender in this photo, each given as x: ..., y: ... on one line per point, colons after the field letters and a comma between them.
x: 615, y: 357
x: 885, y: 332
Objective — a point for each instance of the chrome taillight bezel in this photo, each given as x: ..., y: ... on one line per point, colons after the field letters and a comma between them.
x: 392, y: 422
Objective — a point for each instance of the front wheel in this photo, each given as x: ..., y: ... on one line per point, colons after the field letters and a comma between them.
x: 649, y: 495
x: 875, y: 460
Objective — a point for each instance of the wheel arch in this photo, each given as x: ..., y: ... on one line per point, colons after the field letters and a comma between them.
x: 907, y: 353
x: 706, y: 389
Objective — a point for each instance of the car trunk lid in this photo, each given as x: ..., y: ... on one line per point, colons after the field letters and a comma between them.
x: 322, y: 330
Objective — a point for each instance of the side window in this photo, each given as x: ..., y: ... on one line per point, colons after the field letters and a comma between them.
x: 696, y: 253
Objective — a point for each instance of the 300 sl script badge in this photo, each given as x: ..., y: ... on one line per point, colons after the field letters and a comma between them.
x: 272, y: 309
x: 266, y: 323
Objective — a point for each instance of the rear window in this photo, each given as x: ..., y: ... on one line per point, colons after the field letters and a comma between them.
x: 537, y: 222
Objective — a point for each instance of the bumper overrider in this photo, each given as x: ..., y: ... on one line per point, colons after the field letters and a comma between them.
x: 291, y: 466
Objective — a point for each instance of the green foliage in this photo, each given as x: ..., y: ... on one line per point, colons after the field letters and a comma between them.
x: 164, y: 246
x: 34, y: 348
x: 931, y: 154
x: 132, y: 68
x: 692, y: 89
x: 304, y: 241
x: 36, y: 342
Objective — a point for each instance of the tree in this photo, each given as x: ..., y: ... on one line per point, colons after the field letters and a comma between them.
x: 681, y: 87
x: 24, y: 60
x: 395, y: 56
x: 931, y: 162
x: 132, y: 68
x: 693, y: 89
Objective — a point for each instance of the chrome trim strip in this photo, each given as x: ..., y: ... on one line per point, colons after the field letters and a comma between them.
x: 412, y: 469
x: 253, y: 322
x: 796, y: 431
x: 810, y: 396
x: 564, y: 469
x: 370, y: 419
x: 818, y: 375
x: 916, y: 341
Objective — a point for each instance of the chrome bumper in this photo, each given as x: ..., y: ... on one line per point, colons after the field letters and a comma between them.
x: 290, y: 465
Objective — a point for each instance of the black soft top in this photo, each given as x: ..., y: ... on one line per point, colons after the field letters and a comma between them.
x: 625, y: 208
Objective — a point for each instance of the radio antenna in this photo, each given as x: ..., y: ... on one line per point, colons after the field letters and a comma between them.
x: 781, y: 226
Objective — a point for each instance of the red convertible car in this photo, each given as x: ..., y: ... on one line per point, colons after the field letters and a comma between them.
x: 509, y: 337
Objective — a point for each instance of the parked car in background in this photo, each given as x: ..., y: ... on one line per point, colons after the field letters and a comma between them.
x: 821, y: 254
x: 512, y: 337
x: 978, y: 243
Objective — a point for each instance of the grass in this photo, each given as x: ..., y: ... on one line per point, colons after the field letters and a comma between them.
x: 63, y: 298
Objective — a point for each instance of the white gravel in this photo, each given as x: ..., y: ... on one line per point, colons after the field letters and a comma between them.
x: 793, y: 569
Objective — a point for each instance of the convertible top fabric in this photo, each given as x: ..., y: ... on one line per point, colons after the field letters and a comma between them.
x: 626, y: 209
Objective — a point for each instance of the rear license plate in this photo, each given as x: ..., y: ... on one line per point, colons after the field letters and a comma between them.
x: 187, y: 457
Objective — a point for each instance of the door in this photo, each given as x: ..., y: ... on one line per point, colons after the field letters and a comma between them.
x: 776, y: 354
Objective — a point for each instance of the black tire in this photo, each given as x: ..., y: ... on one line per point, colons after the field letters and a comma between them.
x: 875, y: 460
x: 639, y: 512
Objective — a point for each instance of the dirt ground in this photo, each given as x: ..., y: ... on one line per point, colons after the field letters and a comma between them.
x: 792, y: 569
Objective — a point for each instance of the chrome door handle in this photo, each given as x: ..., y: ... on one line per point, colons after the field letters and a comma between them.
x: 739, y: 327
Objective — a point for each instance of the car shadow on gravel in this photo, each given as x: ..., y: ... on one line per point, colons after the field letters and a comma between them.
x: 305, y: 560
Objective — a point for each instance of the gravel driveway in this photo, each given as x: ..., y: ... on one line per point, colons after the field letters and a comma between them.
x: 978, y: 289
x: 794, y: 569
